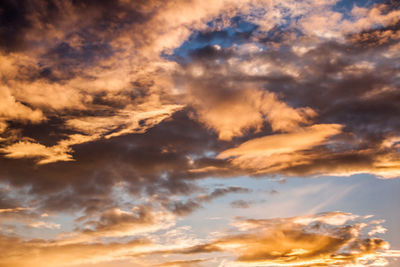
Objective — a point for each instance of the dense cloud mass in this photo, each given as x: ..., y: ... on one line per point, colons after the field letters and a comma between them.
x: 113, y: 113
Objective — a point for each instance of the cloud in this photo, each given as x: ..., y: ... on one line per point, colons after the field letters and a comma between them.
x: 13, y: 210
x: 20, y: 253
x: 14, y: 110
x: 377, y: 37
x: 28, y: 217
x: 112, y: 235
x: 105, y: 106
x: 59, y: 152
x: 97, y: 114
x: 275, y: 152
x: 239, y: 110
x: 61, y: 76
x: 116, y: 223
x: 219, y: 192
x: 240, y: 204
x: 188, y: 206
x: 183, y: 263
x: 10, y: 107
x: 42, y: 224
x: 129, y: 121
x: 240, y: 90
x: 326, y: 239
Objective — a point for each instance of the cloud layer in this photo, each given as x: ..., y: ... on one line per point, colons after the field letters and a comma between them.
x: 327, y: 239
x: 113, y: 114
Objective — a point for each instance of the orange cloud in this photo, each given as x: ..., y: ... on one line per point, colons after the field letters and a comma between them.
x: 127, y: 121
x: 19, y: 253
x: 59, y: 152
x: 279, y: 151
x: 182, y: 263
x: 232, y: 116
x: 118, y: 223
x: 327, y: 239
x: 87, y: 71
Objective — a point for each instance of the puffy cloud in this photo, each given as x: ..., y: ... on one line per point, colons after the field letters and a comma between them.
x: 244, y: 109
x: 42, y: 77
x: 118, y: 93
x: 11, y: 109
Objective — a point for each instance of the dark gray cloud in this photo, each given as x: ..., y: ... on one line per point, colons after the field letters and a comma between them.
x: 190, y: 205
x: 240, y: 204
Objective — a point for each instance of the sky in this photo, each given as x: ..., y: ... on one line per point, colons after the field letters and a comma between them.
x: 199, y: 133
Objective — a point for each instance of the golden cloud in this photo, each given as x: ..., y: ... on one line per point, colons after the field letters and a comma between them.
x: 247, y: 109
x: 279, y: 151
x: 327, y: 239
